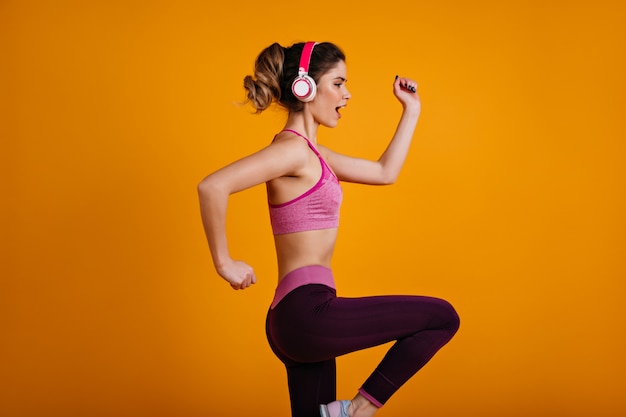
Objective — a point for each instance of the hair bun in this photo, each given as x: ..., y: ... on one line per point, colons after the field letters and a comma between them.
x: 264, y: 88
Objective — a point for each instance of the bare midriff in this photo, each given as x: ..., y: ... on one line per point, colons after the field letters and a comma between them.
x: 295, y: 250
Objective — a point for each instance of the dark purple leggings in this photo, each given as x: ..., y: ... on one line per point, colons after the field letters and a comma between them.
x: 308, y: 326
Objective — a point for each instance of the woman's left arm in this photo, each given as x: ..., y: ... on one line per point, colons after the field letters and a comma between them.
x: 387, y: 168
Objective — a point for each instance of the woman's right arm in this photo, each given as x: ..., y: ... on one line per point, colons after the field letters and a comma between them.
x: 276, y: 160
x: 213, y: 196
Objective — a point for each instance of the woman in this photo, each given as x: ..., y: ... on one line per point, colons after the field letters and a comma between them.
x: 308, y: 326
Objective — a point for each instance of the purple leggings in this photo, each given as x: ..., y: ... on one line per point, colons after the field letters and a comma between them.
x: 308, y: 326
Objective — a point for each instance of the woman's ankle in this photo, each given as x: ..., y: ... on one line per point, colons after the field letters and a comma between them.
x: 361, y: 407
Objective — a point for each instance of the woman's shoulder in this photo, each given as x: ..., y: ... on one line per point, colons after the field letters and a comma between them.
x: 291, y: 143
x: 289, y: 135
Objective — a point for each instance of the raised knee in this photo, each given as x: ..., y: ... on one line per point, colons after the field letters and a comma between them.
x: 452, y: 321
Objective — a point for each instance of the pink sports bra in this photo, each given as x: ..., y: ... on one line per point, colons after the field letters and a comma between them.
x: 317, y: 208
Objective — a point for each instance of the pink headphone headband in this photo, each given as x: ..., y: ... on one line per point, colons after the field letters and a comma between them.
x: 305, y: 58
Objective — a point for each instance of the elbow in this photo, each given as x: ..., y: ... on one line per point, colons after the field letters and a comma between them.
x: 388, y: 182
x: 211, y: 188
x: 202, y: 187
x: 206, y: 187
x: 387, y: 174
x: 388, y: 179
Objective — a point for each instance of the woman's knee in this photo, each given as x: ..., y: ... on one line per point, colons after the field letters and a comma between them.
x: 449, y: 317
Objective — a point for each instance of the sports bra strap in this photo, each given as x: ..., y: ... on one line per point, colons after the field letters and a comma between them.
x: 305, y: 138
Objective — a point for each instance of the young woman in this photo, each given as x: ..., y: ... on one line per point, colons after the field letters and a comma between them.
x: 308, y: 325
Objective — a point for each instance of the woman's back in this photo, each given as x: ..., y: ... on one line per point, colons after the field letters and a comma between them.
x: 304, y: 209
x: 294, y: 250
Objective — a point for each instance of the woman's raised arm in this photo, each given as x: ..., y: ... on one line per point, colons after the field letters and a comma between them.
x: 386, y: 169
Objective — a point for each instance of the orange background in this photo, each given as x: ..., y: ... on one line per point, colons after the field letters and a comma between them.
x: 511, y: 204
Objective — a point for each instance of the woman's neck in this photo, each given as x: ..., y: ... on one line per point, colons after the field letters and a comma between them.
x: 303, y: 123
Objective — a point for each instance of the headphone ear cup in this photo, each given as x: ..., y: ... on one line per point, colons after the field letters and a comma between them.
x: 304, y: 88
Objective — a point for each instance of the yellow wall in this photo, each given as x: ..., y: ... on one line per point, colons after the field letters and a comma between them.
x: 511, y: 204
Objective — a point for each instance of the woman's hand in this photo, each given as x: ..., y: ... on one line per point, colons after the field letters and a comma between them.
x: 238, y: 274
x: 405, y: 89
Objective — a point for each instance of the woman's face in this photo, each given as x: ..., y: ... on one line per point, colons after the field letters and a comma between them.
x: 332, y: 95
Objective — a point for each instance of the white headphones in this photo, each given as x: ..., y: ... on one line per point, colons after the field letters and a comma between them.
x: 304, y: 87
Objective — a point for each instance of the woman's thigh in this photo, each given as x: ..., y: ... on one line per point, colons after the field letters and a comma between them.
x: 311, y: 324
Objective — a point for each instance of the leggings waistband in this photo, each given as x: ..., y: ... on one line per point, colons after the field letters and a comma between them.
x: 312, y: 274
